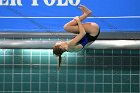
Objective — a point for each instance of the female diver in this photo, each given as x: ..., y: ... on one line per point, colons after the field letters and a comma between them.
x: 87, y: 33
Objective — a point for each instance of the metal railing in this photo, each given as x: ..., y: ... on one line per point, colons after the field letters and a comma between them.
x: 105, y: 40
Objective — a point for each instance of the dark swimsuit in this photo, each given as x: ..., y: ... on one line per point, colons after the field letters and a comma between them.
x: 88, y: 38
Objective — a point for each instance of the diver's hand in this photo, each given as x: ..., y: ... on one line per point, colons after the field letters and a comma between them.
x: 77, y: 19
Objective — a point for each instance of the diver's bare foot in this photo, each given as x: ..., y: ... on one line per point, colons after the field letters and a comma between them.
x: 85, y: 10
x: 82, y: 9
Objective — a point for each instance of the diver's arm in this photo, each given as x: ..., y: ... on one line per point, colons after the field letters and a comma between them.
x: 81, y: 34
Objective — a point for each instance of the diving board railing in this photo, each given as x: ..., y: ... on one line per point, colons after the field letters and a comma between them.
x: 118, y: 41
x: 43, y: 44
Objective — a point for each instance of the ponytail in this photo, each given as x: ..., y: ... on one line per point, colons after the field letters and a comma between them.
x: 58, y: 51
x: 60, y: 60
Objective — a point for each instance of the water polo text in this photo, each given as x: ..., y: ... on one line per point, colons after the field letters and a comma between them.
x: 36, y: 2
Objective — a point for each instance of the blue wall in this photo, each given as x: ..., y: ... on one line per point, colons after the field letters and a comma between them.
x: 100, y: 8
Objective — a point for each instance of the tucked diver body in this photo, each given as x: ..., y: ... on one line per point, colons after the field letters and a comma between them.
x: 87, y: 33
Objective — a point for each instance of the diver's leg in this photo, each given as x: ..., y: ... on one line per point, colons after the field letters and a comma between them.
x: 72, y: 23
x: 90, y: 27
